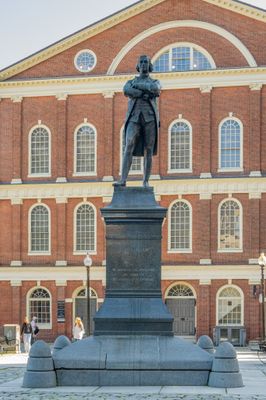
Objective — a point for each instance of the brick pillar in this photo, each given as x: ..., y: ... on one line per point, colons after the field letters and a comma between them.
x: 16, y: 317
x: 204, y: 241
x: 61, y: 138
x: 61, y: 295
x: 108, y: 135
x: 203, y: 308
x: 61, y: 204
x: 205, y: 110
x: 254, y: 225
x: 255, y: 130
x: 16, y: 138
x: 16, y: 232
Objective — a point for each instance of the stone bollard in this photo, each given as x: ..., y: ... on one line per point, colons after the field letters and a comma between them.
x: 60, y: 342
x: 206, y: 343
x: 40, y: 371
x: 225, y: 369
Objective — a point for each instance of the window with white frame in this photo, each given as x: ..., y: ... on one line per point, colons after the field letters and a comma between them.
x: 180, y: 147
x: 230, y: 225
x: 39, y: 151
x: 40, y: 306
x: 137, y: 162
x: 180, y: 290
x: 183, y: 57
x: 180, y: 227
x: 230, y: 144
x: 85, y: 149
x: 230, y: 306
x: 39, y: 229
x: 85, y: 229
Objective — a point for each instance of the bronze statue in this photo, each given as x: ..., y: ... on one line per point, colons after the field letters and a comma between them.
x: 142, y: 120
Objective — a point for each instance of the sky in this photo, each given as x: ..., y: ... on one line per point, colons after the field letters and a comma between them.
x: 27, y: 26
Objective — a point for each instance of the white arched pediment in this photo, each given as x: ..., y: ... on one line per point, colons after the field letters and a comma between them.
x: 183, y: 24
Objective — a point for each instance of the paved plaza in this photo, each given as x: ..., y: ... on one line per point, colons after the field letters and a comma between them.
x: 252, y: 365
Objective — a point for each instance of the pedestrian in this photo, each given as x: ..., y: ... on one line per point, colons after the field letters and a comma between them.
x: 78, y: 330
x: 35, y: 329
x: 26, y: 333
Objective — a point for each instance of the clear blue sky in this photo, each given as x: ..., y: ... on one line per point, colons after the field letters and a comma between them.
x: 27, y: 26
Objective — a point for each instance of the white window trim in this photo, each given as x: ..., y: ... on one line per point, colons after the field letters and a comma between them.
x: 242, y: 304
x: 121, y: 157
x: 169, y: 250
x: 39, y: 253
x: 76, y: 57
x: 40, y: 325
x: 40, y: 175
x: 185, y: 170
x: 93, y: 173
x: 180, y: 297
x: 236, y: 250
x: 76, y: 252
x: 237, y: 169
x: 184, y: 44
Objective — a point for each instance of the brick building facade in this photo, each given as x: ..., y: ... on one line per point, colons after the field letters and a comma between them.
x: 61, y: 119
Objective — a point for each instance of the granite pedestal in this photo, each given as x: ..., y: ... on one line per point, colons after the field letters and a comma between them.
x: 133, y: 342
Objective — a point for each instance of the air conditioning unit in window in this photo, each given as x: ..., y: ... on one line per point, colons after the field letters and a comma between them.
x: 233, y: 334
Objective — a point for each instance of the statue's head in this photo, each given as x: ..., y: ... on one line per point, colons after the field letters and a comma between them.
x: 144, y: 64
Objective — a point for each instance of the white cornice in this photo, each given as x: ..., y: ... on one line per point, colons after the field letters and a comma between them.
x: 46, y: 273
x: 111, y: 84
x: 169, y: 272
x: 104, y: 190
x: 240, y: 8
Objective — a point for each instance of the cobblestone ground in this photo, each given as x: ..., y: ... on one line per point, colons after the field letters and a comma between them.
x: 10, y: 373
x: 39, y: 395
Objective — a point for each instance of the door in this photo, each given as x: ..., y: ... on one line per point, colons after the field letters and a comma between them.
x: 81, y: 311
x: 183, y: 311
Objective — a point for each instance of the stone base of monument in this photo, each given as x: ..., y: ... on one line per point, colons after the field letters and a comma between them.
x: 129, y: 360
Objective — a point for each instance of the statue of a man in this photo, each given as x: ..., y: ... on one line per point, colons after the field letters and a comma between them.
x: 142, y: 120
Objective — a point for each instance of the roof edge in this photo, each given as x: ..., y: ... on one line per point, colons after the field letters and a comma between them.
x: 110, y: 21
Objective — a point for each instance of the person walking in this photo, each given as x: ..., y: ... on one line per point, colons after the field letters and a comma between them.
x: 35, y: 329
x: 78, y: 329
x: 26, y: 332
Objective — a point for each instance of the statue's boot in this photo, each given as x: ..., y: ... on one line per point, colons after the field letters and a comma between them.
x: 146, y: 184
x: 120, y: 183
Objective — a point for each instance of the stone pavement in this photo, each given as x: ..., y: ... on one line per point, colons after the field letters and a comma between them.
x: 252, y: 365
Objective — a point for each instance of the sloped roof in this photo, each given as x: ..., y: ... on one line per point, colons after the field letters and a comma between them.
x: 112, y: 20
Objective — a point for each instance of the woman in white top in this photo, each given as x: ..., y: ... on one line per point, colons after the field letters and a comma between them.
x: 78, y: 329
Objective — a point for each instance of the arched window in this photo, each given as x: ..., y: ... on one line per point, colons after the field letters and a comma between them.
x: 85, y: 150
x: 39, y: 229
x: 85, y: 228
x: 182, y: 57
x: 180, y: 227
x: 180, y: 147
x: 137, y: 162
x: 39, y: 151
x: 180, y: 290
x: 230, y: 226
x: 230, y: 144
x: 39, y: 305
x: 230, y: 306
